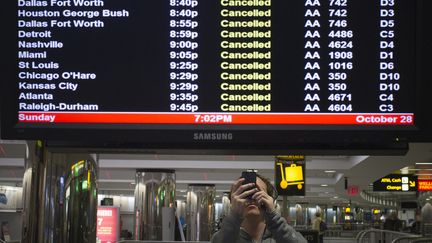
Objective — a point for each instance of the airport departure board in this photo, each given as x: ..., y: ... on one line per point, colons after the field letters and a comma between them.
x: 226, y: 65
x: 321, y: 62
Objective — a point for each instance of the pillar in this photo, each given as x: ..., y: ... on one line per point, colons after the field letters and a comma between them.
x: 154, y: 205
x: 200, y: 212
x: 51, y: 209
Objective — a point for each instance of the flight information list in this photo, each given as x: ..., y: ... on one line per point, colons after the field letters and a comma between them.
x: 331, y: 62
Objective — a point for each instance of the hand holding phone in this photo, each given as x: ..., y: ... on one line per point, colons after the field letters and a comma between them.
x: 250, y: 177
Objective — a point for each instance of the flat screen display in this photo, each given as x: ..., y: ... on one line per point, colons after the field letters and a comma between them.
x: 225, y: 65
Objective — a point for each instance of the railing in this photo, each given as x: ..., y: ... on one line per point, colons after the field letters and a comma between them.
x: 423, y: 240
x: 376, y: 235
x: 407, y: 238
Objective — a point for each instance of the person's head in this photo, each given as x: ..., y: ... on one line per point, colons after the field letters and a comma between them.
x: 318, y: 214
x: 252, y: 208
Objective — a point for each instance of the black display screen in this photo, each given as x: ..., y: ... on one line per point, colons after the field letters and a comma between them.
x: 221, y: 65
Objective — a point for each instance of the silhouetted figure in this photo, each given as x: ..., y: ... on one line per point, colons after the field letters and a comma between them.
x: 392, y: 222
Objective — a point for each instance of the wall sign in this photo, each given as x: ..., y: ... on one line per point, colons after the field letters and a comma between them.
x: 396, y: 182
x: 424, y: 185
x: 290, y: 175
x: 108, y: 224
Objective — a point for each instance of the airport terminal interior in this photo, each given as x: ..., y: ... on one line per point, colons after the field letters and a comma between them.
x: 339, y: 186
x: 130, y: 121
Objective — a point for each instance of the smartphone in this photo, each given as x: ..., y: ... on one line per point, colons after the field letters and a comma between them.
x: 250, y: 177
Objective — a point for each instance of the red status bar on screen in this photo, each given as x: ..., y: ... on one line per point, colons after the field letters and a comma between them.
x: 218, y: 118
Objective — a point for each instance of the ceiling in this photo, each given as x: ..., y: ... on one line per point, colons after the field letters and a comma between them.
x: 325, y: 175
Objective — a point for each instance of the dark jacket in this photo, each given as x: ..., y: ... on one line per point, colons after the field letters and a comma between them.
x: 392, y: 224
x: 277, y: 231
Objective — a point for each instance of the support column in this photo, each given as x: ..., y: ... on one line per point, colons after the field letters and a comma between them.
x: 200, y: 212
x: 154, y: 205
x: 48, y: 214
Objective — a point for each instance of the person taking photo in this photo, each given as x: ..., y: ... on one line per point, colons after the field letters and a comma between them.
x: 253, y: 217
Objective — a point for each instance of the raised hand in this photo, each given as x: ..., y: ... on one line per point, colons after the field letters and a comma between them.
x: 239, y: 196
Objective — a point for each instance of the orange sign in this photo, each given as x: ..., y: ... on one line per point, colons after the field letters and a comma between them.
x: 424, y: 185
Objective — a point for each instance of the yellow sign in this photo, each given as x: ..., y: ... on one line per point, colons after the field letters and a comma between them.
x: 293, y: 176
x: 396, y: 182
x: 290, y: 175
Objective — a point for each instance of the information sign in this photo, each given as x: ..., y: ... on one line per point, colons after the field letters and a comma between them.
x: 396, y: 182
x: 108, y: 224
x: 424, y: 185
x: 200, y: 66
x: 290, y: 175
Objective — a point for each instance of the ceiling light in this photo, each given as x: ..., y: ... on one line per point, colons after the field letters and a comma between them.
x: 330, y: 171
x: 324, y: 185
x: 404, y: 170
x: 423, y: 163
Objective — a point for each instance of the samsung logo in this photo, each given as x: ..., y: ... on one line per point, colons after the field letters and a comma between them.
x: 213, y: 136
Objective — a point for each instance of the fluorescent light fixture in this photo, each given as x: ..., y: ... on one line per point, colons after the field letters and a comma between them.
x: 324, y: 185
x: 405, y: 170
x: 330, y: 171
x: 423, y: 163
